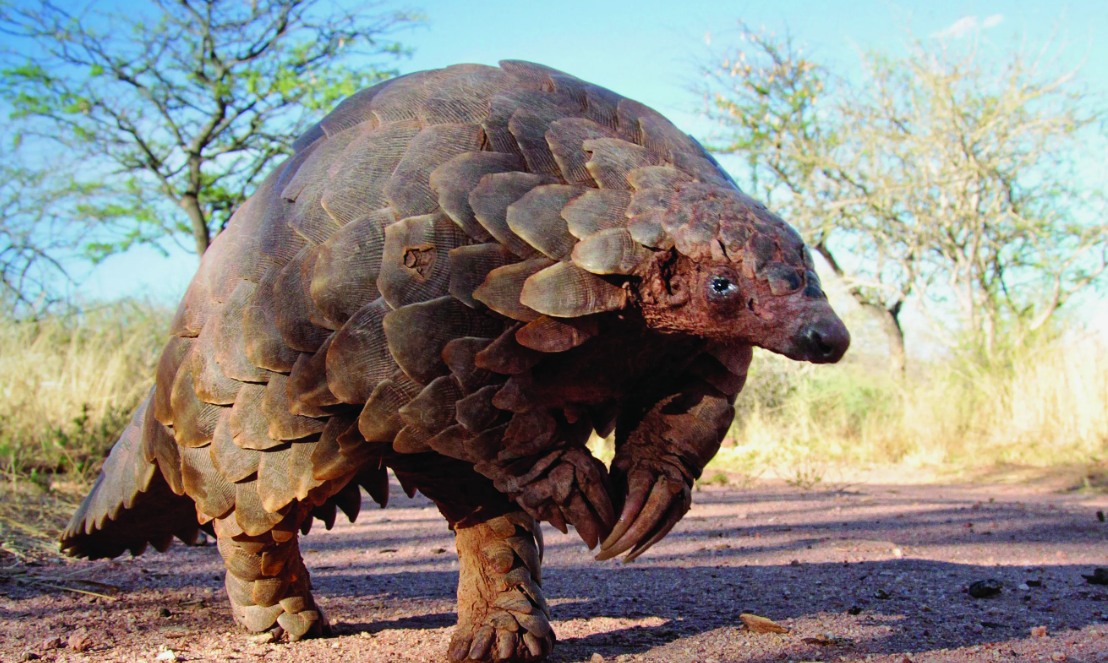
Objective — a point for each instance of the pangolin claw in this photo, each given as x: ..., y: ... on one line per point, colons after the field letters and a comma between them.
x: 650, y: 511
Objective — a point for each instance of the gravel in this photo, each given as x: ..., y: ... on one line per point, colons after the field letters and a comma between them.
x: 874, y: 572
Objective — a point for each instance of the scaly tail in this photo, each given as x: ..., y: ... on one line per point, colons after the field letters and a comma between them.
x: 132, y: 503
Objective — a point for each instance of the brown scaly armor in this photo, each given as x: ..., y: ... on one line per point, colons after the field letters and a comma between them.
x: 460, y: 275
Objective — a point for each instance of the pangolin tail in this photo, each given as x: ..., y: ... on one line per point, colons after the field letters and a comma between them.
x: 131, y: 504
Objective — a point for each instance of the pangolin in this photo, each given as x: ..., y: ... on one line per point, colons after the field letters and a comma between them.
x: 460, y: 275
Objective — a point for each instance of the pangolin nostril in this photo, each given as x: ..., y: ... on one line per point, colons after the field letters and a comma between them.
x: 816, y: 342
x: 824, y: 340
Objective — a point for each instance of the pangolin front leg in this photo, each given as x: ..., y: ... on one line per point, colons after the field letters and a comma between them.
x: 267, y: 582
x: 659, y: 459
x: 502, y: 615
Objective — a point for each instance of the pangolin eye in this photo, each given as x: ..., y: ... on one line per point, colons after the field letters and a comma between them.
x: 721, y: 285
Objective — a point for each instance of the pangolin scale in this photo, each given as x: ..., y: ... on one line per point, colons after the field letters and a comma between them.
x: 460, y: 275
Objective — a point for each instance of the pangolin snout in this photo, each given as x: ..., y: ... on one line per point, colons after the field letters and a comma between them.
x: 822, y: 341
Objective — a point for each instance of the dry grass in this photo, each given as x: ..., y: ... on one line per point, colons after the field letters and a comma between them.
x: 1046, y: 407
x: 68, y: 385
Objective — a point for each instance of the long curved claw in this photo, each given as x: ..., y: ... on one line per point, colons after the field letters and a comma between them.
x: 676, y: 511
x: 639, y: 485
x: 593, y: 484
x: 657, y: 504
x: 586, y: 522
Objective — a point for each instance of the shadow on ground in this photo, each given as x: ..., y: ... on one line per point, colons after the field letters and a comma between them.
x: 870, y: 571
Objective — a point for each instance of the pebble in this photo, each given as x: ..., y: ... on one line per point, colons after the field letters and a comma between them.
x: 80, y: 642
x: 1057, y: 656
x: 1099, y: 577
x: 1038, y: 631
x: 596, y: 658
x: 1023, y: 587
x: 985, y: 588
x: 51, y: 643
x: 167, y: 655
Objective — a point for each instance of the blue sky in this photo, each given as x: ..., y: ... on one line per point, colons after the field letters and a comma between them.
x: 648, y: 49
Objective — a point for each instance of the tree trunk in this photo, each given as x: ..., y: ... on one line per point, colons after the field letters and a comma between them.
x: 890, y: 324
x: 888, y: 317
x: 200, y: 233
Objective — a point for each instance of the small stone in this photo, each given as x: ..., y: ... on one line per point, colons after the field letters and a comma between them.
x: 439, y: 551
x: 898, y: 553
x: 1057, y: 656
x: 1100, y: 516
x: 758, y: 624
x: 596, y: 658
x: 29, y: 656
x: 1023, y: 587
x: 795, y: 562
x: 881, y: 594
x: 1038, y: 631
x: 51, y: 643
x: 1099, y: 577
x: 983, y: 589
x: 854, y: 610
x: 167, y: 655
x: 80, y: 642
x: 264, y: 637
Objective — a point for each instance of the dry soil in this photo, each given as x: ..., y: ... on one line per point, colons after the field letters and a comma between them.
x: 866, y: 571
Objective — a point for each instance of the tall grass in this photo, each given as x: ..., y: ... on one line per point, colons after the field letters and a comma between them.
x: 68, y: 385
x: 1047, y: 405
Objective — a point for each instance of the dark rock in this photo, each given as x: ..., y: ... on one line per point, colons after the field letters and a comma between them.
x: 983, y: 589
x: 881, y: 594
x: 1099, y: 577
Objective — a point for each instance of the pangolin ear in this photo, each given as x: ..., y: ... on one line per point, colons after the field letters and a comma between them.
x: 666, y: 286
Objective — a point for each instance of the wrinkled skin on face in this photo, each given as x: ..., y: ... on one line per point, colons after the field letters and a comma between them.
x: 728, y: 269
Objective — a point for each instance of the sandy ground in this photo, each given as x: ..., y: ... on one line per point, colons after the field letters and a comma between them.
x: 868, y: 571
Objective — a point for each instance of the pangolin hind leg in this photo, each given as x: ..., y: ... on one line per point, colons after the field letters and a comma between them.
x: 502, y: 614
x: 267, y: 582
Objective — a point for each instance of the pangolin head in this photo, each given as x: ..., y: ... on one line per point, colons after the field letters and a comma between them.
x: 725, y: 267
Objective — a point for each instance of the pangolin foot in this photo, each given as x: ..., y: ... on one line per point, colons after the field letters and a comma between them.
x: 502, y: 615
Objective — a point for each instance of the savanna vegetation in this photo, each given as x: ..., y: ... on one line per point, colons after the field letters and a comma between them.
x: 945, y: 189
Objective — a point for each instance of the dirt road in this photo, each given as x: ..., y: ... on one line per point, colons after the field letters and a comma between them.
x: 861, y: 572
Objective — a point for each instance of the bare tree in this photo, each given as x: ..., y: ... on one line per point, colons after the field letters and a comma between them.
x: 193, y: 98
x: 44, y: 216
x: 941, y: 175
